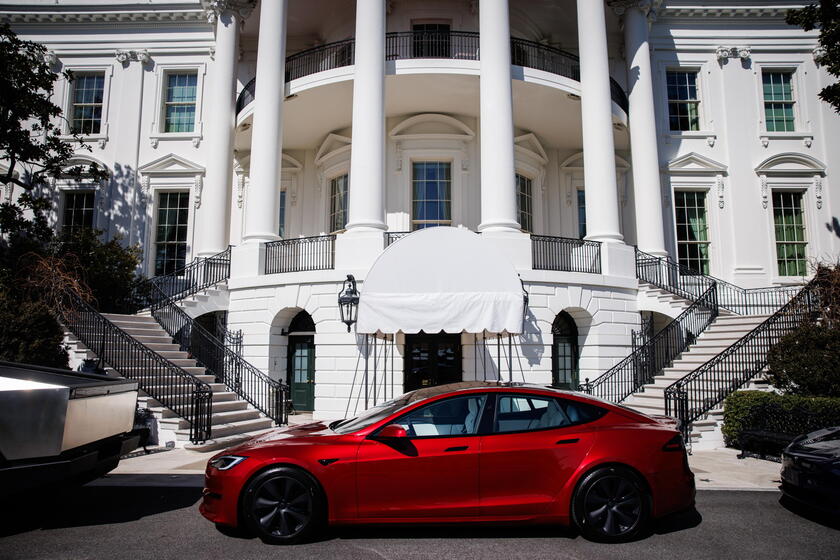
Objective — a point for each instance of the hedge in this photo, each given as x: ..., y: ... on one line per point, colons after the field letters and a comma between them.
x: 770, y: 412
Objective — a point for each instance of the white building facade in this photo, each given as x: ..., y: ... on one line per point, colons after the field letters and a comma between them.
x: 679, y: 127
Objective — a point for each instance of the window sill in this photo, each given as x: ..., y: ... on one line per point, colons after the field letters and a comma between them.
x: 709, y: 136
x: 155, y: 138
x: 100, y: 139
x: 807, y: 137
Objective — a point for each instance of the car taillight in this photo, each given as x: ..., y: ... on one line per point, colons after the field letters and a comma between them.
x: 674, y: 444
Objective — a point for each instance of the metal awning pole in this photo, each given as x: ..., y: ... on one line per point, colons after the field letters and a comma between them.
x: 475, y: 355
x: 367, y: 357
x: 499, y: 355
x: 375, y: 365
x: 484, y: 356
x: 385, y: 371
x: 510, y: 358
x: 393, y: 351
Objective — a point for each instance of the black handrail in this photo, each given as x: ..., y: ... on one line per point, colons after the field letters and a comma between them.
x: 641, y: 366
x: 565, y: 254
x: 665, y: 273
x: 405, y: 45
x: 299, y: 254
x: 691, y: 397
x: 267, y: 395
x: 175, y: 388
x: 394, y: 236
x: 201, y: 274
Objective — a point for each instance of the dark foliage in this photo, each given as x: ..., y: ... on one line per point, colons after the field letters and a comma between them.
x: 29, y: 332
x: 825, y: 16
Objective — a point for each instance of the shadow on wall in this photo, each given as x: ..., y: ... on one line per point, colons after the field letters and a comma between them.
x: 834, y: 226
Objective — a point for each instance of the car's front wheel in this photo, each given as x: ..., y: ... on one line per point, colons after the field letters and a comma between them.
x: 611, y: 504
x: 283, y: 505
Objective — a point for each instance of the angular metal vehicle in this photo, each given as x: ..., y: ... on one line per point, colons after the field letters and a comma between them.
x: 811, y: 470
x: 464, y: 452
x: 59, y: 424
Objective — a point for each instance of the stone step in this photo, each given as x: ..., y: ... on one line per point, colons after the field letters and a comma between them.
x: 234, y: 428
x: 160, y: 347
x: 217, y: 418
x: 181, y: 388
x: 217, y: 399
x: 151, y: 330
x: 114, y: 317
x: 225, y: 442
x: 153, y: 339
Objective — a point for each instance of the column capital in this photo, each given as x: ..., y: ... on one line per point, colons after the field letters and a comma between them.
x: 214, y: 8
x: 648, y: 7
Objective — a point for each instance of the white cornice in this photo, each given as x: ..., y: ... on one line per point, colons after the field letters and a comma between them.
x: 726, y: 10
x: 90, y: 14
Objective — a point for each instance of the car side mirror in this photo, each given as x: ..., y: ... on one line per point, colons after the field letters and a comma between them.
x: 392, y: 431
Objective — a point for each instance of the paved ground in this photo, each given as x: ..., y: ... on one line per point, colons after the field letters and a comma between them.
x: 156, y: 517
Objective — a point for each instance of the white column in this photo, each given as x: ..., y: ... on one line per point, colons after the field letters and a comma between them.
x: 220, y: 115
x: 262, y: 205
x: 650, y: 228
x: 602, y: 222
x: 366, y: 193
x: 498, y: 183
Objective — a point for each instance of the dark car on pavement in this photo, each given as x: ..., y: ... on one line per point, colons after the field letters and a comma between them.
x: 811, y: 470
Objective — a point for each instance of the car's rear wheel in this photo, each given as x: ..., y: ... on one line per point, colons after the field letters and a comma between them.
x: 611, y: 504
x: 283, y: 505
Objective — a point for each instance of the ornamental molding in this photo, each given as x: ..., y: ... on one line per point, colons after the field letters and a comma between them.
x: 764, y: 191
x: 649, y: 8
x: 723, y: 12
x: 126, y: 57
x: 720, y: 190
x: 693, y: 163
x: 819, y: 54
x: 50, y: 58
x: 725, y: 53
x: 101, y: 15
x: 818, y: 191
x: 214, y: 8
x: 198, y: 183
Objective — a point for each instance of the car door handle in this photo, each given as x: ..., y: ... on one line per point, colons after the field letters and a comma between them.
x: 567, y: 441
x: 458, y: 448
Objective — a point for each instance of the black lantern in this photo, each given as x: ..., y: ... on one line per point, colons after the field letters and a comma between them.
x: 348, y: 301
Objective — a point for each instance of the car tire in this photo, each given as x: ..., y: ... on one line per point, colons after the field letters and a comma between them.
x: 283, y: 505
x: 611, y: 504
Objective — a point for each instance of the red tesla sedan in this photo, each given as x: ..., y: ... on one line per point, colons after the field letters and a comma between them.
x: 466, y: 452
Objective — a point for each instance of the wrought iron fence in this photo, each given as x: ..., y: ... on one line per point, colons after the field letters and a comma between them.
x: 669, y: 275
x: 175, y: 388
x: 639, y: 368
x: 457, y: 45
x: 565, y: 254
x: 394, y: 236
x: 201, y: 274
x: 303, y: 253
x: 691, y: 397
x: 267, y: 395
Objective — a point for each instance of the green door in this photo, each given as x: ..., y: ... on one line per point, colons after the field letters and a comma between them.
x: 302, y: 371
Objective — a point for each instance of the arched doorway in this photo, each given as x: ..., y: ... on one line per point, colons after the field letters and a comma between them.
x: 565, y: 352
x: 300, y: 366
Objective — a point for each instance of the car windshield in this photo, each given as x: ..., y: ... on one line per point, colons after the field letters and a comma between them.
x: 370, y: 416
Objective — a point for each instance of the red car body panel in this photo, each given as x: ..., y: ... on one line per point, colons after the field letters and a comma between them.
x: 523, y: 476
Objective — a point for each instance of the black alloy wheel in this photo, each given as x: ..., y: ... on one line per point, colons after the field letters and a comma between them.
x: 611, y: 505
x: 283, y: 506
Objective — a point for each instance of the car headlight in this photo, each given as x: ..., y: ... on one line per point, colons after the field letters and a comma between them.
x: 225, y: 462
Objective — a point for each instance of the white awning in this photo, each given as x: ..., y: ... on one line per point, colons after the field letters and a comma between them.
x: 441, y: 279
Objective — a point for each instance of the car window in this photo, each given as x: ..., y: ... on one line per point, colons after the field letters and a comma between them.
x: 450, y: 417
x: 522, y: 413
x: 580, y: 413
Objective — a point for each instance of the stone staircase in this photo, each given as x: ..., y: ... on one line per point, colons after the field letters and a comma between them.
x: 721, y: 334
x: 233, y: 419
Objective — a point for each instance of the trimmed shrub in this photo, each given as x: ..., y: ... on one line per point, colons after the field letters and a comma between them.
x: 773, y: 413
x: 29, y: 333
x: 805, y: 362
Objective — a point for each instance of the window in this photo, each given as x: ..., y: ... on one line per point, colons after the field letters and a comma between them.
x: 789, y: 228
x: 564, y: 352
x: 171, y: 234
x: 692, y: 230
x: 581, y: 210
x: 432, y: 194
x: 458, y: 416
x: 430, y: 40
x: 338, y: 203
x: 519, y: 413
x: 78, y: 211
x: 86, y: 110
x: 281, y: 231
x: 778, y: 100
x: 179, y: 102
x: 524, y: 202
x: 683, y: 102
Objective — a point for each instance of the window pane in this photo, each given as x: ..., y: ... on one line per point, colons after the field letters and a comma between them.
x: 179, y: 102
x: 86, y: 109
x: 432, y: 194
x: 692, y: 230
x: 524, y: 413
x: 455, y: 416
x: 282, y: 221
x: 581, y: 208
x: 78, y: 211
x: 524, y: 202
x: 777, y: 87
x: 338, y: 203
x: 171, y: 232
x: 683, y: 103
x: 789, y: 229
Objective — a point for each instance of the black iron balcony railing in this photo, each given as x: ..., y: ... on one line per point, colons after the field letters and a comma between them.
x: 303, y: 253
x: 639, y: 368
x: 267, y: 395
x: 394, y: 236
x: 456, y: 45
x: 565, y: 254
x: 704, y: 388
x: 665, y: 273
x: 176, y: 389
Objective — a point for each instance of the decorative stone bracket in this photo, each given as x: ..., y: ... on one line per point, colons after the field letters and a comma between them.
x: 126, y: 57
x: 725, y: 53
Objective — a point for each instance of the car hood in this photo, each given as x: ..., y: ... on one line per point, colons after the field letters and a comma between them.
x: 822, y: 443
x: 300, y: 432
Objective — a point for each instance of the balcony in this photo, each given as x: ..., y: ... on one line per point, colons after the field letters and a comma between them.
x: 454, y: 45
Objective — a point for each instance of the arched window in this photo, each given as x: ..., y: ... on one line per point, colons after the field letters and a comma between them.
x: 564, y: 352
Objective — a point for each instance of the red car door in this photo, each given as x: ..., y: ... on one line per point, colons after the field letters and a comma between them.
x: 431, y: 473
x: 527, y: 458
